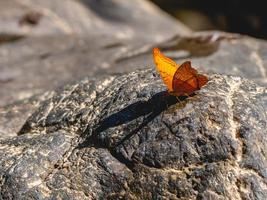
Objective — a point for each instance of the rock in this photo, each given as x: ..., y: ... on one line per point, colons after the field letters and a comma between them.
x: 112, y: 136
x: 13, y: 116
x: 213, y: 52
x: 50, y: 43
x: 68, y: 58
x: 124, y: 137
x: 228, y: 54
x: 122, y: 19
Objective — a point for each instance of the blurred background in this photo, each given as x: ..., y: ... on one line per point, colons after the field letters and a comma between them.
x: 238, y: 16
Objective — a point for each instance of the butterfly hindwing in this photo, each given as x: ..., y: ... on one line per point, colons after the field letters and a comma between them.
x: 202, y: 80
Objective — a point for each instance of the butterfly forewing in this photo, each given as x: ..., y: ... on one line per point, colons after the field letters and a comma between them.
x: 166, y: 67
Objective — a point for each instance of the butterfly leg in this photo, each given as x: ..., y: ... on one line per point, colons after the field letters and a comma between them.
x: 179, y: 100
x: 187, y: 95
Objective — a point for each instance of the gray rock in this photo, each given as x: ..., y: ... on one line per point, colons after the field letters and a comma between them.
x: 124, y: 137
x: 35, y: 65
x: 213, y: 52
x: 49, y: 43
x: 228, y: 54
x: 122, y: 19
x: 13, y: 116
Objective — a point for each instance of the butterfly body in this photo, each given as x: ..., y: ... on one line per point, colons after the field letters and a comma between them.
x: 179, y: 79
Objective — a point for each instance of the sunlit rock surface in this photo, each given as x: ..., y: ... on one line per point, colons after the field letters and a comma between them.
x: 124, y: 137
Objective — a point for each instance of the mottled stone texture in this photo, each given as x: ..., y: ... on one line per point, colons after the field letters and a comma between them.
x: 124, y: 137
x: 111, y: 131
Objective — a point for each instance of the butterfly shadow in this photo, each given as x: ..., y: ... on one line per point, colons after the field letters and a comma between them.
x: 149, y: 109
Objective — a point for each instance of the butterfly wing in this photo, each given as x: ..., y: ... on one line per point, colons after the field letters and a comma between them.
x: 202, y: 80
x: 186, y: 80
x: 180, y: 80
x: 166, y: 68
x: 185, y: 72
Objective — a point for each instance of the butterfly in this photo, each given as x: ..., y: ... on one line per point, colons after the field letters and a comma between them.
x: 181, y: 80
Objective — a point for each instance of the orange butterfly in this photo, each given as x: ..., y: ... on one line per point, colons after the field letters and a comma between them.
x: 181, y: 80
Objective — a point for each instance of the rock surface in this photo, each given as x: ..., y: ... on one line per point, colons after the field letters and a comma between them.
x: 121, y: 136
x: 71, y: 40
x: 68, y: 58
x: 213, y: 52
x: 124, y: 137
x: 123, y: 19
